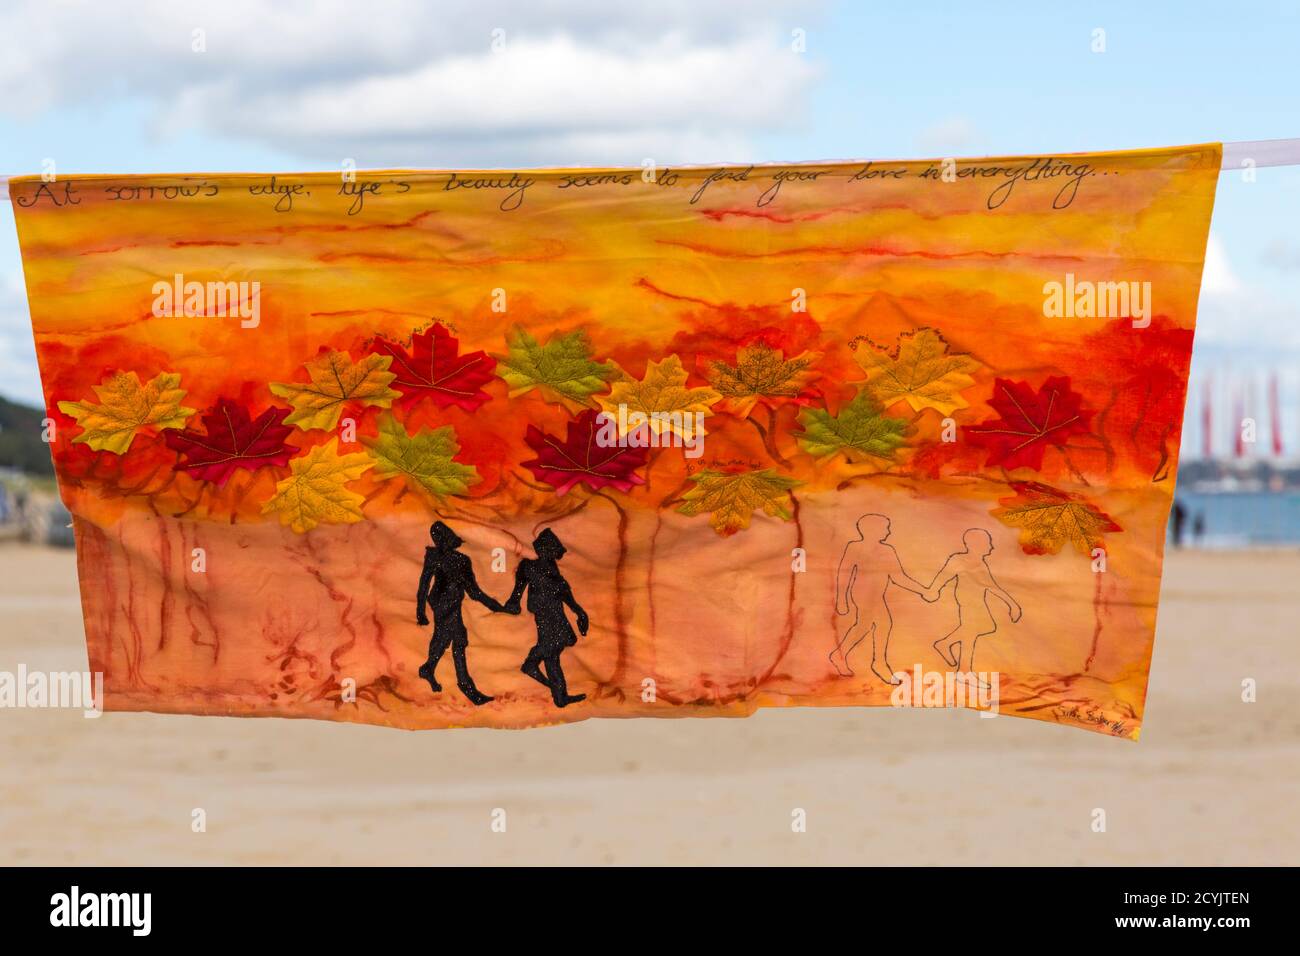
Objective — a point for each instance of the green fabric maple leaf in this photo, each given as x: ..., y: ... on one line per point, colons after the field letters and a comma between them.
x: 861, y: 430
x: 562, y: 369
x: 425, y: 459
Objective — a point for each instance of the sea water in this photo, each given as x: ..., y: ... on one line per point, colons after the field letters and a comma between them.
x: 1242, y: 519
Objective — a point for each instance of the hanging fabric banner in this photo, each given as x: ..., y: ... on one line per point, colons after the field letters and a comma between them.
x: 510, y: 448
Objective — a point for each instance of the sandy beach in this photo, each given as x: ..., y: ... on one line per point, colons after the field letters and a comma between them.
x: 1212, y: 781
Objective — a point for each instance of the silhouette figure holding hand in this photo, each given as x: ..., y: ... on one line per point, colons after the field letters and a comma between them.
x: 867, y: 569
x: 973, y: 585
x: 548, y: 595
x: 452, y: 577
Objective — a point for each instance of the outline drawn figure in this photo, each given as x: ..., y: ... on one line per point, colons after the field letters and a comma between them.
x: 452, y: 575
x: 548, y: 595
x: 974, y: 583
x: 867, y: 568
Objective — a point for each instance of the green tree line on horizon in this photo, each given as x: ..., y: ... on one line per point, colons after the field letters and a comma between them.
x: 21, y: 446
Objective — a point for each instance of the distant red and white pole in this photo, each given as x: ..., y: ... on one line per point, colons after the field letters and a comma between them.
x: 1207, y: 419
x: 1275, y: 416
x: 1238, y: 424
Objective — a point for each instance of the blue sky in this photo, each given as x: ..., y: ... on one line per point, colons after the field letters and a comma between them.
x: 295, y: 85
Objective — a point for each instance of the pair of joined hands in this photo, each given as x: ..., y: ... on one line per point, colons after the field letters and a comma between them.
x: 496, y: 607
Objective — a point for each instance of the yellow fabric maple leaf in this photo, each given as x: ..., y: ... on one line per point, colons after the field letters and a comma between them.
x: 920, y: 370
x: 1049, y: 518
x: 128, y: 406
x: 336, y: 379
x: 424, y: 459
x: 731, y: 499
x: 662, y: 396
x: 761, y: 372
x: 315, y: 493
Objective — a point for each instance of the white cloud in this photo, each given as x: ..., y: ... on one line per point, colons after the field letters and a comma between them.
x: 1251, y: 321
x: 1247, y: 319
x: 1218, y: 277
x: 1282, y: 254
x: 395, y: 81
x: 19, y: 379
x: 1241, y: 317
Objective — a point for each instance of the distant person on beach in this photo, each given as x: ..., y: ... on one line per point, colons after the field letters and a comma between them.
x: 1198, y: 528
x: 1179, y: 519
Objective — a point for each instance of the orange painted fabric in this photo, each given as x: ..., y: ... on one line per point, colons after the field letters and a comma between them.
x: 433, y: 449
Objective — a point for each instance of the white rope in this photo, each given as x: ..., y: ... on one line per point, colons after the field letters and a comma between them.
x: 1261, y: 152
x: 1236, y: 156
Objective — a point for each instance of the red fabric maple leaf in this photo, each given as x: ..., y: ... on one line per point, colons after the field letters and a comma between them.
x: 232, y: 440
x: 579, y: 458
x: 434, y: 367
x: 1029, y: 422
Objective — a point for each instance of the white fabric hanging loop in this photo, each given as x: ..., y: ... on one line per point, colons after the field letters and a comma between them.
x: 1261, y: 152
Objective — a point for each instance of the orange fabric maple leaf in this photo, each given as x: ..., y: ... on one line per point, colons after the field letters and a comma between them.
x: 1049, y: 519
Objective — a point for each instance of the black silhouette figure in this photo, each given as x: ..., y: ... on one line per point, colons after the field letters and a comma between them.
x: 868, y: 567
x: 452, y: 576
x: 548, y: 595
x: 973, y: 585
